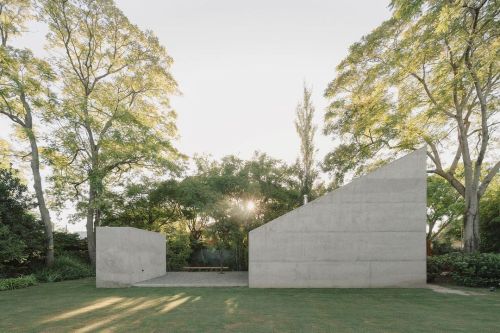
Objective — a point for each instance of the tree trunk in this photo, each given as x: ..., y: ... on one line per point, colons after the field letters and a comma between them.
x: 428, y: 247
x: 44, y: 212
x: 471, y: 224
x: 37, y: 180
x: 90, y: 226
x: 221, y: 261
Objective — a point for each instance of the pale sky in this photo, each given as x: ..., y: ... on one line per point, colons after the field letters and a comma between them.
x: 240, y: 66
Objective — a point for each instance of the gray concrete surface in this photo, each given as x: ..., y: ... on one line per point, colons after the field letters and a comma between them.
x: 127, y: 255
x: 368, y: 233
x: 197, y: 279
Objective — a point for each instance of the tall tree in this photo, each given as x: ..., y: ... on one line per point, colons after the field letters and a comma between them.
x: 306, y: 130
x: 115, y: 114
x: 428, y: 75
x: 24, y: 82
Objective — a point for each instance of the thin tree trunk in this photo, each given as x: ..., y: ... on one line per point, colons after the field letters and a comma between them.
x: 221, y: 261
x: 91, y: 246
x: 37, y: 182
x: 93, y: 216
x: 44, y: 212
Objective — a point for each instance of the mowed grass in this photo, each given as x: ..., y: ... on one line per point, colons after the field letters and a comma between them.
x: 79, y: 306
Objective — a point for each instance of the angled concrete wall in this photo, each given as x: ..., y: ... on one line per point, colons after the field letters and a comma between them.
x: 369, y: 233
x: 128, y: 255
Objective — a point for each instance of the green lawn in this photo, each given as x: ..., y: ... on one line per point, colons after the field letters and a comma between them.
x: 79, y: 306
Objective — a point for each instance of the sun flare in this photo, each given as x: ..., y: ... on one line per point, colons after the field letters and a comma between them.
x: 250, y: 205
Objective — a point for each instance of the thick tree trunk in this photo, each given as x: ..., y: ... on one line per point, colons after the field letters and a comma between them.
x: 471, y: 224
x: 42, y: 206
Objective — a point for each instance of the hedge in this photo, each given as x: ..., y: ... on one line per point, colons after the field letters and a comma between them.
x: 471, y: 270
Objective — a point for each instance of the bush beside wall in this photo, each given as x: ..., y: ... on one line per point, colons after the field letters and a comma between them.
x: 471, y: 270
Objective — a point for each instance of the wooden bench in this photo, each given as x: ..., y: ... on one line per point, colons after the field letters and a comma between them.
x: 205, y: 269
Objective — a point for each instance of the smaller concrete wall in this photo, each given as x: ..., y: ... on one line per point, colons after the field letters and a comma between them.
x: 127, y: 255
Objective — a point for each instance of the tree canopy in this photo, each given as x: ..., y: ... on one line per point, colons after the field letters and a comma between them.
x: 428, y: 75
x: 114, y: 112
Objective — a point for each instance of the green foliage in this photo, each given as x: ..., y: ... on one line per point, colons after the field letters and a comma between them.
x: 445, y: 209
x: 404, y: 83
x: 442, y: 246
x: 239, y: 196
x: 428, y: 75
x: 223, y: 235
x: 471, y: 270
x: 65, y: 268
x: 114, y: 114
x: 71, y: 245
x: 25, y: 95
x: 5, y: 159
x: 231, y: 194
x: 445, y: 213
x: 274, y: 186
x: 17, y: 283
x: 306, y: 131
x: 11, y: 246
x: 490, y: 218
x: 178, y: 250
x: 14, y: 15
x: 21, y: 235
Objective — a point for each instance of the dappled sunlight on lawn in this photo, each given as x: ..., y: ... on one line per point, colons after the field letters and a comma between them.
x: 110, y: 311
x: 94, y: 306
x: 196, y: 299
x: 231, y: 305
x: 172, y: 305
x: 145, y: 305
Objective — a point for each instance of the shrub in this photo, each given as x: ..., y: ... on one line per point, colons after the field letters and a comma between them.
x: 440, y: 247
x: 178, y: 251
x: 21, y: 233
x: 17, y: 283
x: 65, y: 268
x: 490, y: 218
x: 471, y: 270
x: 68, y: 244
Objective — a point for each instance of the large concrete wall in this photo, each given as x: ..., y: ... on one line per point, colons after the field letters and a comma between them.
x: 127, y: 255
x: 369, y: 233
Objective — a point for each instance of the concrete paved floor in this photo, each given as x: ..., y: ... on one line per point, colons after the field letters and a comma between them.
x: 197, y: 279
